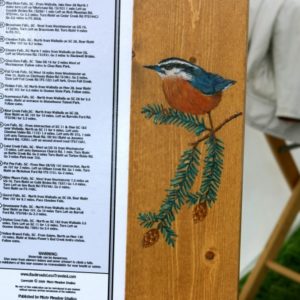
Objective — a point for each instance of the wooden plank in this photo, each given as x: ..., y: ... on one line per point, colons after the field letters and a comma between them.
x: 204, y: 263
x: 284, y: 271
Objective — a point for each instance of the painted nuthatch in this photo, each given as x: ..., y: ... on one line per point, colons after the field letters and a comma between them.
x: 189, y: 88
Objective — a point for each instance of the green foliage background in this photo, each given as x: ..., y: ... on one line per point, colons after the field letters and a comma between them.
x: 275, y: 286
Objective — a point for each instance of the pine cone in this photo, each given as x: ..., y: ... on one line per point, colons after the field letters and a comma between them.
x: 150, y: 238
x: 200, y: 212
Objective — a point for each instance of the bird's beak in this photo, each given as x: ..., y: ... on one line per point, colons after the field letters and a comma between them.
x: 152, y: 67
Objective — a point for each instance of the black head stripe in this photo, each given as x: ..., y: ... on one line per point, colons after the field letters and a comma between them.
x: 174, y: 59
x: 177, y: 63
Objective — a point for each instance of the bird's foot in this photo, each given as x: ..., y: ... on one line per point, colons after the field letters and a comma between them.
x: 212, y: 133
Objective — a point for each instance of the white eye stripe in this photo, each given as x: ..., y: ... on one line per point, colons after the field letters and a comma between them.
x: 176, y: 73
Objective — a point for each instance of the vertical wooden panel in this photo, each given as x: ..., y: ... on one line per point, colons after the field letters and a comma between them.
x: 205, y: 261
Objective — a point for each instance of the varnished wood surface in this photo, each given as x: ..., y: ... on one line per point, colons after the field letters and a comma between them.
x: 205, y: 261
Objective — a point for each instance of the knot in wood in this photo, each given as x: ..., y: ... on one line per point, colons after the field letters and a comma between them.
x: 193, y: 60
x: 210, y: 255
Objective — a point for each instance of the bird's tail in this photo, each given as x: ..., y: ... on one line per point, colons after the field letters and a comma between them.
x: 227, y: 83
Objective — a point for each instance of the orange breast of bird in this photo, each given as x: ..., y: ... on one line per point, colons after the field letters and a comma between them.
x: 182, y: 96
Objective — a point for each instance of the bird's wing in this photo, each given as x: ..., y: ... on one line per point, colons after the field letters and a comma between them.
x: 209, y: 83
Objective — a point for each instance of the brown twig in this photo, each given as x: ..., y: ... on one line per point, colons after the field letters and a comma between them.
x: 212, y: 131
x: 219, y: 127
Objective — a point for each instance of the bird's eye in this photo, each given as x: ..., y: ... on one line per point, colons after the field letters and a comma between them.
x: 168, y: 67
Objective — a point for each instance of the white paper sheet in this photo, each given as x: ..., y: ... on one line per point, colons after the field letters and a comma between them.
x: 64, y: 119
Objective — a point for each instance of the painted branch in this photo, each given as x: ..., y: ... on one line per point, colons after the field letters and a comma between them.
x: 218, y: 128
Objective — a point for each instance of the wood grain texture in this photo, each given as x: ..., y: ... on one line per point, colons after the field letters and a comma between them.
x: 214, y: 33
